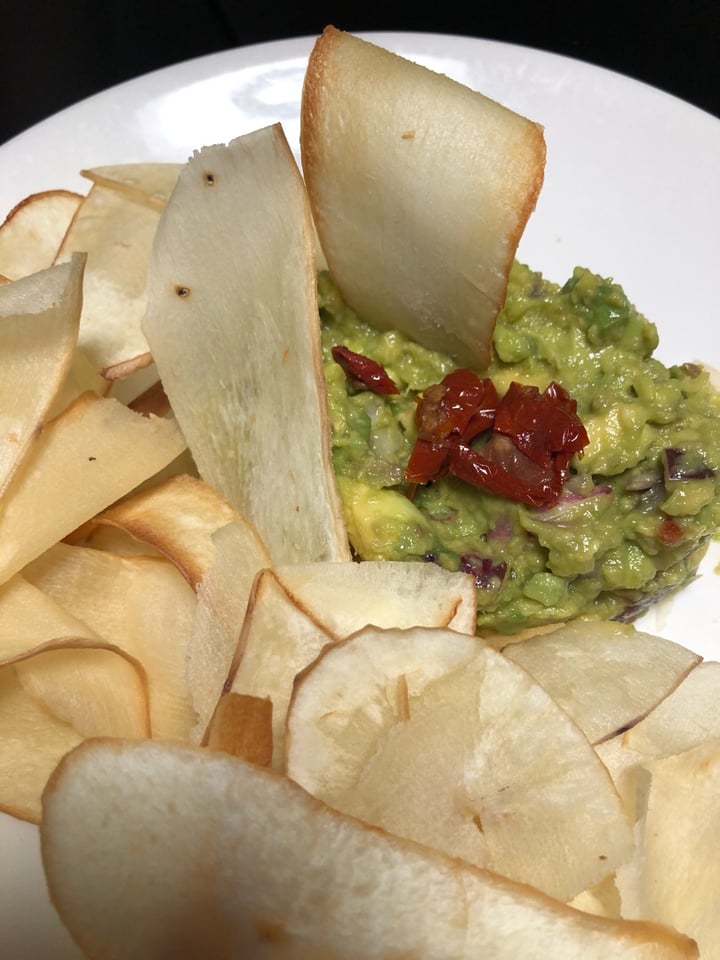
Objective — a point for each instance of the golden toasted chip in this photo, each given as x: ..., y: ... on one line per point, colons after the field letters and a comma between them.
x: 420, y: 190
x: 177, y: 517
x: 95, y: 452
x: 602, y: 899
x: 434, y: 736
x: 278, y: 640
x: 222, y: 603
x: 140, y: 604
x: 157, y: 850
x: 59, y: 683
x: 148, y: 183
x: 34, y: 741
x: 607, y: 675
x: 242, y: 726
x: 117, y: 233
x: 33, y: 231
x: 683, y: 720
x: 233, y: 326
x: 84, y: 680
x: 344, y: 597
x: 39, y: 319
x: 678, y: 867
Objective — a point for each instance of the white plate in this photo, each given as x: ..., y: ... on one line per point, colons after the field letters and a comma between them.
x: 631, y: 191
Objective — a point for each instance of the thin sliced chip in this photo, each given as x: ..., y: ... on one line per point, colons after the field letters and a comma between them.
x: 236, y: 861
x: 84, y: 680
x: 420, y: 190
x: 95, y: 686
x: 683, y: 720
x: 82, y: 377
x: 177, y: 517
x: 603, y: 899
x: 679, y: 876
x: 234, y: 329
x: 344, y: 597
x: 242, y: 726
x: 607, y: 675
x: 438, y: 738
x: 117, y: 234
x: 148, y: 183
x: 33, y: 231
x: 222, y: 603
x: 30, y: 619
x: 34, y: 741
x: 39, y: 320
x: 95, y: 452
x: 142, y: 605
x: 278, y: 640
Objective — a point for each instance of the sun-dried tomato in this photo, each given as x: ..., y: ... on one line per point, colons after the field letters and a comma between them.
x: 462, y: 405
x: 428, y: 461
x: 544, y: 426
x: 364, y: 373
x: 532, y: 437
x: 535, y: 485
x: 453, y: 411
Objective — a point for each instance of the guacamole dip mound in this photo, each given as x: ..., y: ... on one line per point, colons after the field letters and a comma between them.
x: 638, y: 500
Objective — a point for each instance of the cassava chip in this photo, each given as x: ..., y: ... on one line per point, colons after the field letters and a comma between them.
x: 278, y: 640
x: 117, y: 233
x: 93, y: 453
x: 148, y: 183
x: 434, y: 736
x: 177, y: 517
x: 344, y: 597
x: 420, y: 189
x: 222, y: 600
x: 679, y: 870
x: 242, y: 726
x: 683, y: 720
x: 33, y: 231
x: 142, y: 605
x: 157, y: 850
x: 233, y: 326
x: 607, y: 675
x: 84, y: 680
x: 33, y: 742
x: 39, y: 319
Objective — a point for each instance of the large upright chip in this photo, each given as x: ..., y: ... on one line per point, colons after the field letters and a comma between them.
x: 233, y: 326
x: 420, y: 188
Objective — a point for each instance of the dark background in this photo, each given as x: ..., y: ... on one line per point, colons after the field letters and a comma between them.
x: 55, y: 52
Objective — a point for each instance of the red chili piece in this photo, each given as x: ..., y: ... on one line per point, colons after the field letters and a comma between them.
x: 670, y: 533
x: 364, y: 373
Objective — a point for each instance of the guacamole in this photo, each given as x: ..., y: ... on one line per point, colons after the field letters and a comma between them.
x: 639, y: 503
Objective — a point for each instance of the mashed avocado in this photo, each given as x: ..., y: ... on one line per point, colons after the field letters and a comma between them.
x: 638, y: 507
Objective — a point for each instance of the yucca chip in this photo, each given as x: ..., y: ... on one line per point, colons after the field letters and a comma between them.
x: 233, y: 326
x: 434, y: 736
x: 147, y: 183
x: 237, y: 861
x: 420, y: 189
x: 95, y: 452
x: 39, y: 321
x: 33, y: 231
